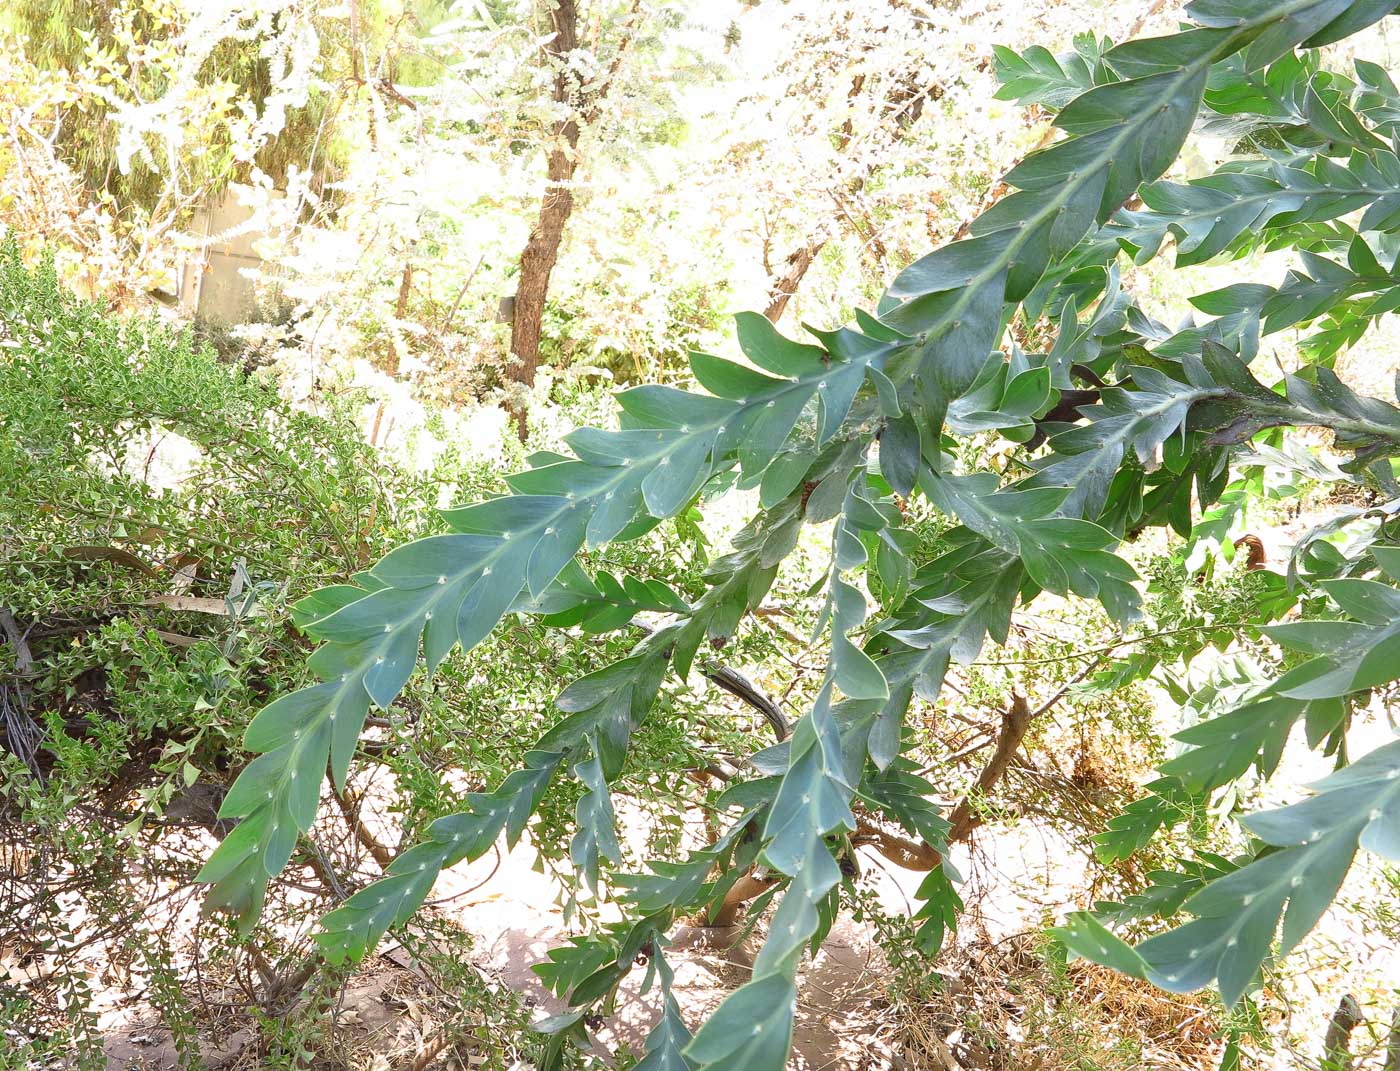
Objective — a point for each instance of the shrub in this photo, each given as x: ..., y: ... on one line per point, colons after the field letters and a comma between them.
x: 159, y: 507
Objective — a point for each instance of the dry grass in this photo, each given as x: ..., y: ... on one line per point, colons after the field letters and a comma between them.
x: 1006, y: 1007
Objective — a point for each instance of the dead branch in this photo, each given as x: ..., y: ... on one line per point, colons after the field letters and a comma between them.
x: 739, y: 686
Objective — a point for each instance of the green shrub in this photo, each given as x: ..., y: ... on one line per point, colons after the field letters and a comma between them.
x: 160, y: 509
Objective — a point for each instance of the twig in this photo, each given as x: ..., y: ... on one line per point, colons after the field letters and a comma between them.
x: 739, y: 686
x: 1123, y: 642
x: 736, y: 684
x: 24, y: 659
x: 198, y: 604
x: 901, y: 851
x: 452, y: 312
x: 590, y: 115
x: 292, y: 985
x: 351, y: 810
x: 1065, y: 688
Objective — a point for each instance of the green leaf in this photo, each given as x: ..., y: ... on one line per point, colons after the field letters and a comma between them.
x: 666, y: 1042
x: 729, y: 380
x: 1089, y: 939
x: 814, y: 797
x: 751, y: 1030
x: 1239, y: 914
x: 765, y: 347
x: 596, y: 836
x: 1131, y: 831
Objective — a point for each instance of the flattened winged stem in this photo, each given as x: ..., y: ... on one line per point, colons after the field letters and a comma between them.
x: 452, y: 589
x: 471, y: 578
x: 813, y: 800
x: 1122, y: 134
x: 603, y: 709
x: 1283, y: 103
x: 1239, y: 914
x: 1281, y: 895
x: 1238, y: 206
x: 787, y: 422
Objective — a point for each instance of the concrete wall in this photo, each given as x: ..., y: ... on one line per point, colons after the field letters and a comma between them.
x: 212, y: 287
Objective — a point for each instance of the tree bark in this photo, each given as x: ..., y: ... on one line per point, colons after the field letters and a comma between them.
x: 1014, y: 724
x: 1336, y: 1045
x: 798, y: 261
x: 542, y: 250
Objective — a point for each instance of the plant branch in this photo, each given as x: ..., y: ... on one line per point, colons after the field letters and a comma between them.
x: 1336, y: 1055
x: 1014, y: 724
x: 350, y: 808
x: 1111, y: 647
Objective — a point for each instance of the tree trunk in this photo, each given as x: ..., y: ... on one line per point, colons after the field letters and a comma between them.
x: 1336, y: 1045
x: 542, y: 250
x: 536, y: 265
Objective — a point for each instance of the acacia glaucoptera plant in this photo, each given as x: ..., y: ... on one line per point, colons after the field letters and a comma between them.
x: 851, y: 427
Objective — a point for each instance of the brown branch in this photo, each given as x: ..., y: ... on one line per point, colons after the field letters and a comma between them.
x: 910, y: 854
x: 591, y: 115
x: 350, y: 808
x: 541, y: 250
x: 430, y: 1050
x: 1336, y: 1055
x: 745, y: 889
x: 798, y: 261
x: 901, y: 851
x: 920, y: 855
x: 739, y: 686
x: 1141, y: 20
x: 1014, y: 724
x: 1258, y: 557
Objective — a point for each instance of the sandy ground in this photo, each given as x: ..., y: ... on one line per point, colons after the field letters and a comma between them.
x: 515, y: 918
